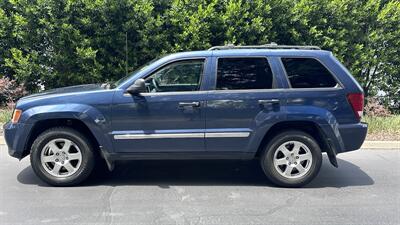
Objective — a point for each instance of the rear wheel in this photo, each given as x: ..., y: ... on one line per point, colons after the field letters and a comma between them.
x: 291, y: 159
x: 62, y: 157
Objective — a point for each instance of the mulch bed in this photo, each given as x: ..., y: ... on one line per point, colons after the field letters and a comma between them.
x: 384, y: 136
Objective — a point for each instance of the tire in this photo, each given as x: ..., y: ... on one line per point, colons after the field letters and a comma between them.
x: 291, y: 159
x: 62, y: 156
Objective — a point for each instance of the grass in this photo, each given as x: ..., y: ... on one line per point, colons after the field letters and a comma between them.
x: 383, y: 128
x: 379, y: 128
x: 5, y: 115
x: 383, y: 124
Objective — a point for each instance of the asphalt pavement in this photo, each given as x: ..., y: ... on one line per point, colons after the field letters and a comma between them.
x: 363, y: 190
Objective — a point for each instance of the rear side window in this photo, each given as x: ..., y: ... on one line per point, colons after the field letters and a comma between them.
x: 243, y: 73
x: 307, y: 73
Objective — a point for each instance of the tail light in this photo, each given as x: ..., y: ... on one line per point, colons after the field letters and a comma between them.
x: 356, y: 101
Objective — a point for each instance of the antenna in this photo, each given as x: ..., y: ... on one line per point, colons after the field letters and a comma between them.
x: 126, y: 52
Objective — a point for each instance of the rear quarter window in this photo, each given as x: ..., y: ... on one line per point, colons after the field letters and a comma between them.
x: 307, y: 73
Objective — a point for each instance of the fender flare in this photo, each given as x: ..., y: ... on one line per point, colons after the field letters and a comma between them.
x: 326, y: 123
x: 96, y: 122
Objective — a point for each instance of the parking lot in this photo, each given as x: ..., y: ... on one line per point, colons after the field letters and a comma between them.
x: 364, y: 190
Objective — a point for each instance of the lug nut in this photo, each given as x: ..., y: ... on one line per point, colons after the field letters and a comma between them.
x: 62, y: 162
x: 297, y: 157
x: 287, y: 158
x: 57, y: 153
x: 56, y: 160
x: 289, y: 163
x: 66, y: 158
x: 295, y: 163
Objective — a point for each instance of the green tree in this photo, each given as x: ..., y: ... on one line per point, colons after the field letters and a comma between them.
x: 362, y: 34
x: 64, y: 42
x: 247, y: 22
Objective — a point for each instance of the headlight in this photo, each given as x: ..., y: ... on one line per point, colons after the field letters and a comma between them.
x: 16, y: 115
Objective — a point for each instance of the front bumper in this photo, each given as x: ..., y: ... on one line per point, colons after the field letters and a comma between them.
x: 16, y: 136
x: 353, y: 135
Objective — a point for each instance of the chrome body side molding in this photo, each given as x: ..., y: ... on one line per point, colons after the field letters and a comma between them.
x: 182, y: 135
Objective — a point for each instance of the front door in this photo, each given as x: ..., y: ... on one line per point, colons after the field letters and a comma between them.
x: 169, y: 117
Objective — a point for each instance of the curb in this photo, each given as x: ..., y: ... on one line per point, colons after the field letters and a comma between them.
x: 395, y: 145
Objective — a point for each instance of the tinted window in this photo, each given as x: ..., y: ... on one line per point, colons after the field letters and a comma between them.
x: 178, y: 76
x: 307, y: 73
x: 243, y: 73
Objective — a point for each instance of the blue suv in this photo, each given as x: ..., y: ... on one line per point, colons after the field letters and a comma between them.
x: 284, y: 105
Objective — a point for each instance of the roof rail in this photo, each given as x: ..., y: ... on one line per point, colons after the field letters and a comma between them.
x: 266, y: 46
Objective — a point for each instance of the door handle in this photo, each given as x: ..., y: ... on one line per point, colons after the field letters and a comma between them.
x: 189, y: 104
x: 269, y: 101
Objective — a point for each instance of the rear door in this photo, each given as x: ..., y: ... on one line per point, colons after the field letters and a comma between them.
x: 245, y: 102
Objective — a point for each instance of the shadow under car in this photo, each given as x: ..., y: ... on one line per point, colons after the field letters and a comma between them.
x: 207, y: 173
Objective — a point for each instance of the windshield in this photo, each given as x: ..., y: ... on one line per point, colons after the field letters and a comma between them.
x: 125, y: 78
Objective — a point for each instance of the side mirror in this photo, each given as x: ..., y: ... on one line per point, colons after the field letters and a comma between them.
x: 138, y: 87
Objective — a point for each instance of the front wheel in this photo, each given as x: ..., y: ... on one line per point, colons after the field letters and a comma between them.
x: 291, y: 159
x: 62, y: 157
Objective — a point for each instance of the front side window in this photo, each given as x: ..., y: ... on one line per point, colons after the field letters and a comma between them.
x: 243, y: 73
x: 178, y: 76
x: 307, y: 73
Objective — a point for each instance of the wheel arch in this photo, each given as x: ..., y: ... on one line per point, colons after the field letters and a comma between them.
x: 308, y: 127
x: 83, y: 118
x: 43, y: 125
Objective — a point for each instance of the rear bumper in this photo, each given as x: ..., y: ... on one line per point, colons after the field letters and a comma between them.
x: 353, y: 135
x: 16, y: 136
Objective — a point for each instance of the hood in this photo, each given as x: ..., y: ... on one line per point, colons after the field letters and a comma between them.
x: 66, y: 90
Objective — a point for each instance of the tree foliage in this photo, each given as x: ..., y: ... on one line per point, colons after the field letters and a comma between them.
x: 64, y: 42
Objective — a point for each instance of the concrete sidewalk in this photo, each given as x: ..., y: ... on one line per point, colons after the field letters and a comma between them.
x: 394, y: 145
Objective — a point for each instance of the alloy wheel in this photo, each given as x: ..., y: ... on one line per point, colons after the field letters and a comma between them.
x: 292, y: 159
x: 61, y: 157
